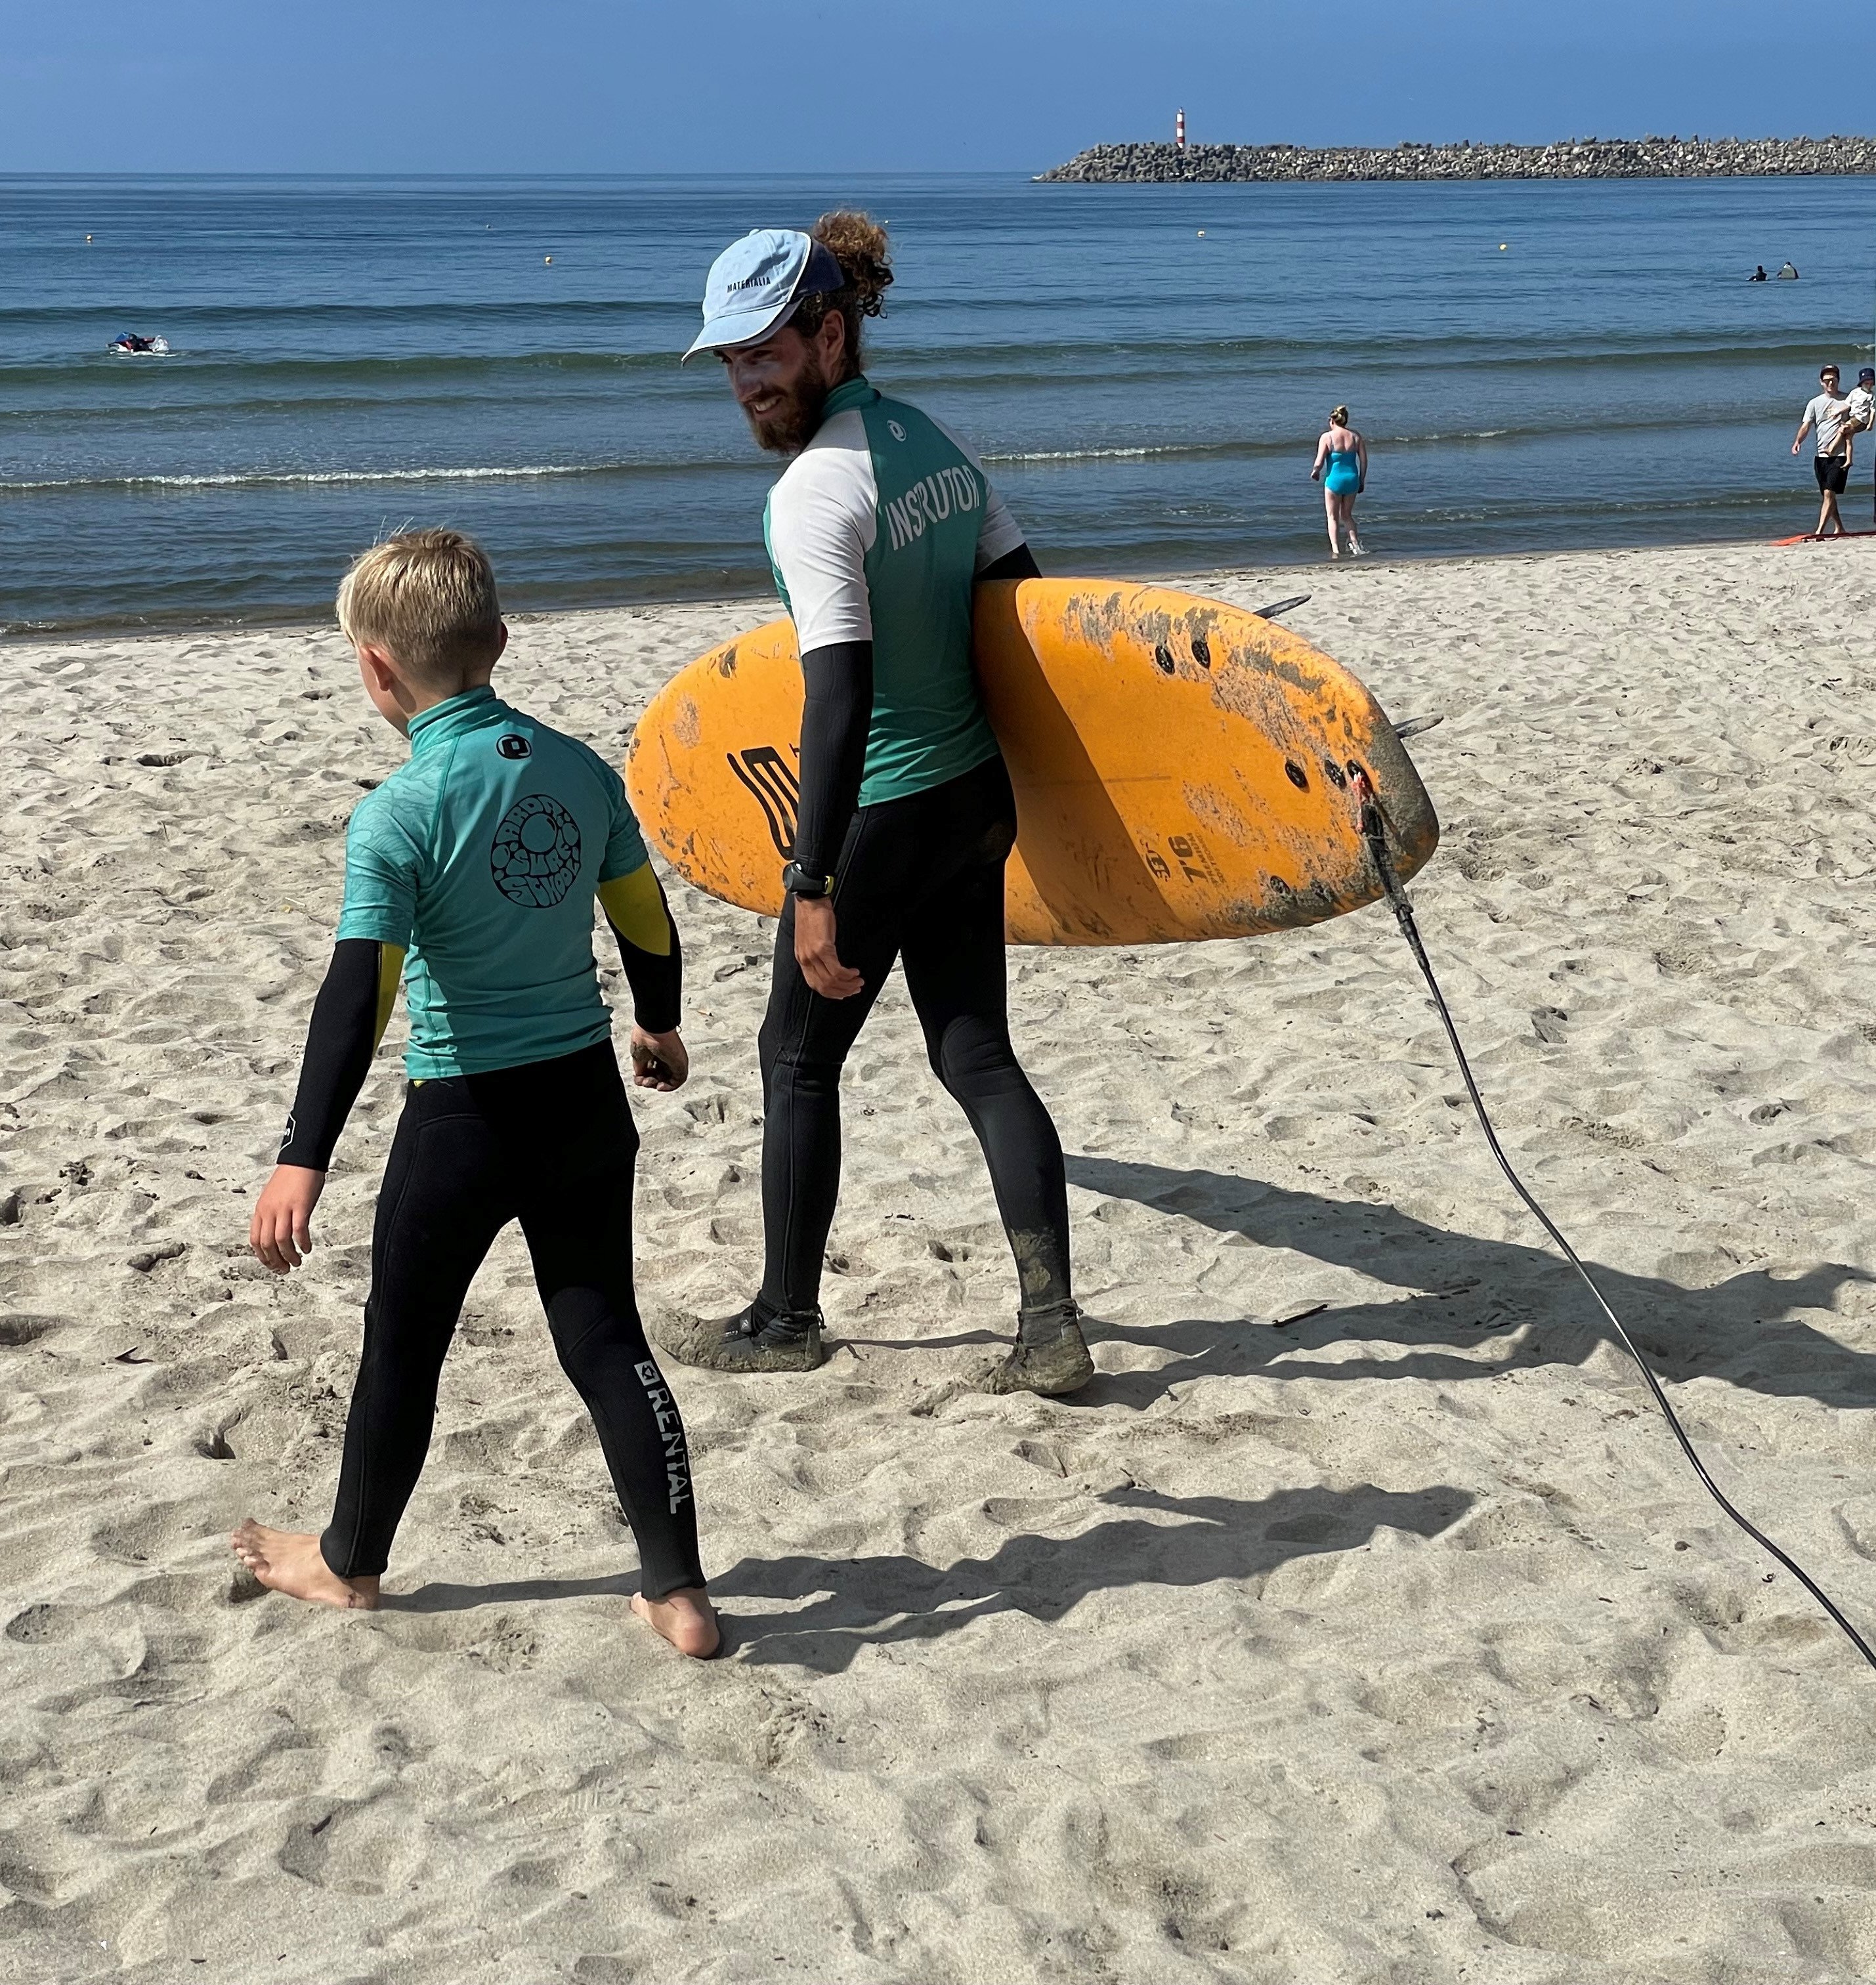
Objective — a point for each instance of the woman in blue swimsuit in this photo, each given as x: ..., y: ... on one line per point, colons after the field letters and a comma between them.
x: 1342, y: 469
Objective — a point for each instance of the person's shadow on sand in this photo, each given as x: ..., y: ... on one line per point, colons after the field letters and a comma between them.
x: 1464, y: 1290
x: 854, y: 1603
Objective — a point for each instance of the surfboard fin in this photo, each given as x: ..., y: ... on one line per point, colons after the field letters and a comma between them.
x: 1279, y: 607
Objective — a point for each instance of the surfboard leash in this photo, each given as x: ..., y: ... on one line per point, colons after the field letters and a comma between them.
x: 1374, y: 833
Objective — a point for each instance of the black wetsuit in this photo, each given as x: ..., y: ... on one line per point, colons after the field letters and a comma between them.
x: 919, y: 880
x: 551, y: 1145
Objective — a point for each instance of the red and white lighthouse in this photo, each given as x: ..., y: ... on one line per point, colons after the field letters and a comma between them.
x: 1179, y: 131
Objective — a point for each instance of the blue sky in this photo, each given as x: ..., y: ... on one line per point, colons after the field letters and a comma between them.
x: 615, y: 85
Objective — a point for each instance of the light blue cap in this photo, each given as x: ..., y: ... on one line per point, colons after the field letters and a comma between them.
x: 756, y: 282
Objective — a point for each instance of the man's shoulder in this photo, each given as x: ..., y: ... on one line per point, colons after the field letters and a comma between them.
x: 901, y: 419
x: 836, y: 466
x: 838, y: 438
x: 933, y: 444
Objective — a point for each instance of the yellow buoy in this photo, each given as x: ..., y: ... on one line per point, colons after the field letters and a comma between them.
x: 547, y: 258
x: 1503, y: 246
x: 1201, y: 234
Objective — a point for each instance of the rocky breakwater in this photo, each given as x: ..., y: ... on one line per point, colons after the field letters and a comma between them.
x: 1577, y: 159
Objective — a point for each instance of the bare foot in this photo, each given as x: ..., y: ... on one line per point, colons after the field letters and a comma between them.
x: 285, y: 1561
x: 686, y: 1619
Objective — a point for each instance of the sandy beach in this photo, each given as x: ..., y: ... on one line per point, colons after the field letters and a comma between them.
x: 1359, y: 1622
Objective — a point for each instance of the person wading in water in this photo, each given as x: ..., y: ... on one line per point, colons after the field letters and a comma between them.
x: 878, y: 531
x: 1341, y: 466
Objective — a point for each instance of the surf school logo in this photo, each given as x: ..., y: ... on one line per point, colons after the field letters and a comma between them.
x: 771, y: 779
x: 535, y: 855
x: 514, y: 745
x: 897, y: 432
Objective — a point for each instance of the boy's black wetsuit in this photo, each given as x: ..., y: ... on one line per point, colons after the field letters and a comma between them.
x: 481, y: 857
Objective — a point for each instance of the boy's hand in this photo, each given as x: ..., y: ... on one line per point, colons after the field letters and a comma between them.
x: 659, y: 1061
x: 281, y: 1231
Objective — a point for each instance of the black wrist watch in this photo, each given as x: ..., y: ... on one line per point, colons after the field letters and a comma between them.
x: 797, y: 881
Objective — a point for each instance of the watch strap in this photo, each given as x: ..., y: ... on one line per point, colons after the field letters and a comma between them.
x: 798, y: 882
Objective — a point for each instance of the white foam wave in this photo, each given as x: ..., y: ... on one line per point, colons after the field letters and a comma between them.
x: 266, y: 479
x: 1213, y: 448
x: 1088, y: 453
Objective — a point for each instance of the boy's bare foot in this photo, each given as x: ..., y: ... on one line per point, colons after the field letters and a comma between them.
x: 686, y: 1618
x: 285, y: 1561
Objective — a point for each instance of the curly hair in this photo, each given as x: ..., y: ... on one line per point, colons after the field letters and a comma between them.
x: 858, y: 243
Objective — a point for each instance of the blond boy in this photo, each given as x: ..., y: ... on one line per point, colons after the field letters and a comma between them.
x: 470, y: 873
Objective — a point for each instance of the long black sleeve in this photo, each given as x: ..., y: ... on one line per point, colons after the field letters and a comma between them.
x: 646, y: 934
x: 1018, y: 564
x: 339, y: 1046
x: 657, y: 982
x: 835, y: 718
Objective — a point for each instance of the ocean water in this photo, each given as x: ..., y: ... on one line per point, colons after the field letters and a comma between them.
x: 353, y: 355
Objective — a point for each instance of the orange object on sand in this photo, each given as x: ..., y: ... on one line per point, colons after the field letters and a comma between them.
x: 1182, y: 767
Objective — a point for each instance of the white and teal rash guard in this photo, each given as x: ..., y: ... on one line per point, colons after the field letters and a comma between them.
x: 876, y: 531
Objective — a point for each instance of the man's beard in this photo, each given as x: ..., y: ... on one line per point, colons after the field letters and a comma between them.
x: 788, y: 428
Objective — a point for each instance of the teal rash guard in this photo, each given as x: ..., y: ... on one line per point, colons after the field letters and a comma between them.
x: 876, y: 531
x: 480, y: 858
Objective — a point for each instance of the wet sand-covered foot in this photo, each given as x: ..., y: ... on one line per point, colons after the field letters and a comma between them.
x: 289, y: 1561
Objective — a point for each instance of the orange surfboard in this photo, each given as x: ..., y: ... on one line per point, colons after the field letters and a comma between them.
x: 1182, y: 767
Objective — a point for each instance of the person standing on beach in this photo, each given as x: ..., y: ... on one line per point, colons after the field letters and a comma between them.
x: 472, y: 873
x: 1827, y: 414
x: 1859, y: 415
x: 1341, y: 467
x: 878, y: 531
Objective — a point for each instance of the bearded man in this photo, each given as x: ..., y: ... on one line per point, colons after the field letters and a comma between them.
x: 878, y: 531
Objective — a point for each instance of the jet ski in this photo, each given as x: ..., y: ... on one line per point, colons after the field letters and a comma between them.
x: 128, y: 344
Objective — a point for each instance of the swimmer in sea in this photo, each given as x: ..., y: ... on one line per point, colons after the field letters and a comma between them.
x: 471, y: 872
x: 1341, y: 467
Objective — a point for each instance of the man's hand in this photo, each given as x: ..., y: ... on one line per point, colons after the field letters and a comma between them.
x: 814, y: 952
x: 659, y: 1061
x: 281, y: 1231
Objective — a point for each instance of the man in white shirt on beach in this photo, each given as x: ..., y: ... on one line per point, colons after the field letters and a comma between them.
x: 1828, y: 414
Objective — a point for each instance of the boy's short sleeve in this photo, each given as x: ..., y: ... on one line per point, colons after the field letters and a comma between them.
x: 624, y: 846
x: 381, y: 868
